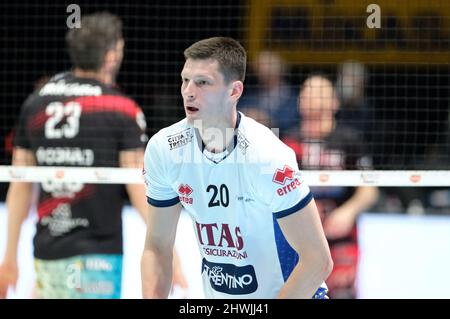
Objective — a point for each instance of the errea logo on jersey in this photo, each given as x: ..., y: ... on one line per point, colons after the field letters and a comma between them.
x: 185, y: 190
x: 284, y: 175
x: 281, y: 175
x: 288, y: 188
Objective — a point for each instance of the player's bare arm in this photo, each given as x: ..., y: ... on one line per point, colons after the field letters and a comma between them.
x: 136, y: 192
x: 157, y: 258
x: 341, y: 220
x: 303, y: 230
x: 18, y: 202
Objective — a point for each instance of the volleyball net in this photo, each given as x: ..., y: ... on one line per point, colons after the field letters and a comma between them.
x: 388, y: 64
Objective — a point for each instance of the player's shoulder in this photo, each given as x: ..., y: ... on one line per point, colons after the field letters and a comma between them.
x: 263, y: 142
x: 65, y: 84
x: 68, y: 85
x: 177, y: 135
x: 45, y: 90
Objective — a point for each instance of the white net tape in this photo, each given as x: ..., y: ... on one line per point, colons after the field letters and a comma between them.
x: 102, y: 175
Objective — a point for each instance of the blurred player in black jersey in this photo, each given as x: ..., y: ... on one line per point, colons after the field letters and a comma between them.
x: 320, y: 144
x: 78, y: 119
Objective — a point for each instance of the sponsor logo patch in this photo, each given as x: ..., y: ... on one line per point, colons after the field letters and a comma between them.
x: 415, y: 178
x: 242, y: 142
x: 230, y: 279
x: 285, y: 177
x: 180, y: 139
x: 185, y: 191
x: 289, y: 187
x: 281, y: 175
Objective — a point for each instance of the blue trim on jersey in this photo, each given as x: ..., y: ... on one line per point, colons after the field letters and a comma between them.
x: 163, y: 203
x: 287, y: 256
x: 301, y: 204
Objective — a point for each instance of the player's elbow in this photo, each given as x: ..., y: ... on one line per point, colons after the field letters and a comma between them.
x: 320, y: 262
x: 324, y: 263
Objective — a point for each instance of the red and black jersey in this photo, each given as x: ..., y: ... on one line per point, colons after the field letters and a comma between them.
x: 341, y: 150
x: 79, y: 122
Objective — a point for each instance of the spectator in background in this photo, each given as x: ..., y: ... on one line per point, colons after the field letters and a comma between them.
x: 354, y: 110
x: 78, y: 119
x: 272, y: 102
x: 321, y: 145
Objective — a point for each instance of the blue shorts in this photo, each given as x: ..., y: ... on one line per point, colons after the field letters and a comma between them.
x: 79, y: 277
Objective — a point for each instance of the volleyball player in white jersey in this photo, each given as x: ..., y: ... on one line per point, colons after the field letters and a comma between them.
x: 257, y: 225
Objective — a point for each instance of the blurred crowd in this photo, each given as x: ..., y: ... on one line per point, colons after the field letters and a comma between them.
x: 346, y: 118
x: 331, y: 124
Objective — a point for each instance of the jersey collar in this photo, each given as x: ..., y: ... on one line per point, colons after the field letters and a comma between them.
x: 219, y: 157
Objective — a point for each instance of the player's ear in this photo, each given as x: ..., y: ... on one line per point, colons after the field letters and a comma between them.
x: 237, y: 88
x: 114, y: 56
x: 110, y: 58
x: 335, y: 104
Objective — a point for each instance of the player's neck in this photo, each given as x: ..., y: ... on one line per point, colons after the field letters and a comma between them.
x: 218, y: 136
x: 101, y: 76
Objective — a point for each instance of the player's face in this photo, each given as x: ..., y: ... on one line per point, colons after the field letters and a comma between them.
x: 206, y: 97
x: 317, y: 107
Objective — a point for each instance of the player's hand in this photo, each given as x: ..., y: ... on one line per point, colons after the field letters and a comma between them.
x: 179, y: 282
x: 339, y: 223
x: 8, y: 277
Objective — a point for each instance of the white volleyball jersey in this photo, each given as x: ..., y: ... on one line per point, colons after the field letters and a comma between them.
x: 234, y: 199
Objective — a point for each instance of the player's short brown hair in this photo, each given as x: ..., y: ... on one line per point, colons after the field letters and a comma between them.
x: 89, y: 44
x: 228, y: 52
